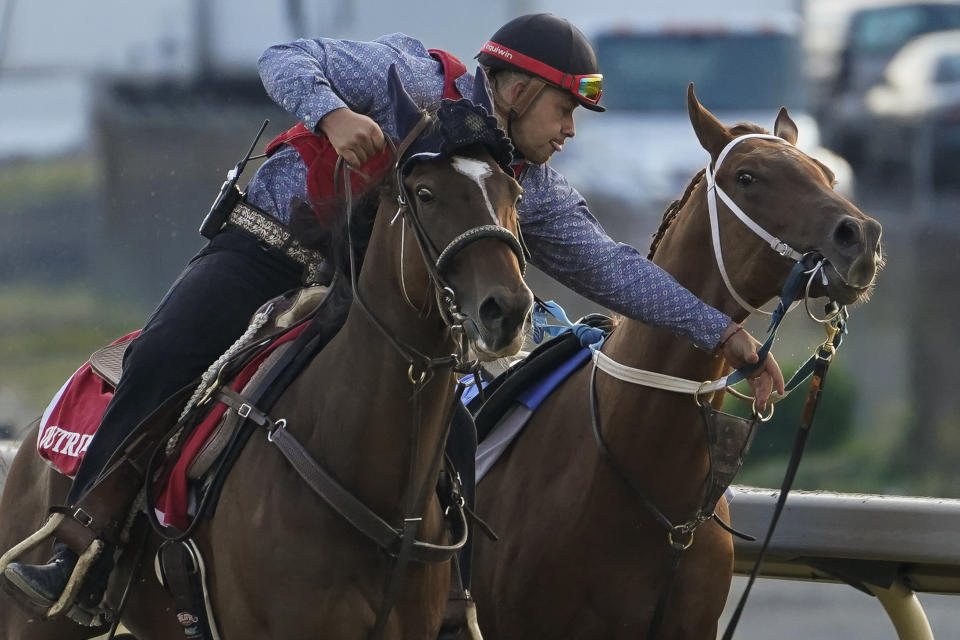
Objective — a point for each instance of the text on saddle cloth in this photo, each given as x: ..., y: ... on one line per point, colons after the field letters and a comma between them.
x: 73, y: 415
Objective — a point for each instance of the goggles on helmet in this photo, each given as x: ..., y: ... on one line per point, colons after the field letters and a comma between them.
x: 587, y: 87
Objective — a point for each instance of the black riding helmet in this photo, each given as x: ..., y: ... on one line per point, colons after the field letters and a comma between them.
x: 550, y: 48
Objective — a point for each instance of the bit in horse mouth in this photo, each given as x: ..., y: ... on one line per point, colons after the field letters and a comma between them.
x: 483, y: 350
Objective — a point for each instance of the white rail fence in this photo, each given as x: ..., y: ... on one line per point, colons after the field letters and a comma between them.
x: 890, y: 546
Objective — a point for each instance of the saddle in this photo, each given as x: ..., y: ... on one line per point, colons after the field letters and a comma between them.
x: 85, y: 526
x: 72, y: 417
x: 507, y: 402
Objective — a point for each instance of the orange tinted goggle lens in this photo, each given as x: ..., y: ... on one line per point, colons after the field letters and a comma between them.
x: 589, y: 88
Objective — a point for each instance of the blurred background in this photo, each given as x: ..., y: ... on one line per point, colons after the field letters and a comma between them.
x: 120, y: 119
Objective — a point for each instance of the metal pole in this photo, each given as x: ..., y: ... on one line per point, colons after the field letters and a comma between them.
x: 6, y: 26
x: 904, y: 610
x: 202, y: 36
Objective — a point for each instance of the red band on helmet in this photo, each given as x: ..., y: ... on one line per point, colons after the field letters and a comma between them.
x: 563, y: 80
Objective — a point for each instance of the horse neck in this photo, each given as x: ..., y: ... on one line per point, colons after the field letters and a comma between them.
x: 673, y: 429
x: 373, y: 410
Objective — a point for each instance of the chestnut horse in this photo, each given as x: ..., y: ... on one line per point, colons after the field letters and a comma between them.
x: 580, y: 556
x: 281, y: 562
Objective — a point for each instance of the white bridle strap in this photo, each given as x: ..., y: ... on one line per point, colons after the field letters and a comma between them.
x: 713, y: 190
x: 692, y: 387
x: 653, y: 379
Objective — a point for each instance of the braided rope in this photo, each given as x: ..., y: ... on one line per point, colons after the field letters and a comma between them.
x: 210, y: 375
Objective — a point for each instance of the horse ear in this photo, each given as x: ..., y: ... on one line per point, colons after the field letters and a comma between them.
x: 712, y: 134
x: 785, y: 127
x: 482, y: 95
x: 406, y: 112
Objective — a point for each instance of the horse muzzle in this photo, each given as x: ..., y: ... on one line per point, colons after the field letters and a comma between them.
x: 852, y: 263
x: 497, y: 326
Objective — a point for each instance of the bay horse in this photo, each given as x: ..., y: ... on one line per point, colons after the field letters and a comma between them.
x: 281, y: 562
x: 579, y: 556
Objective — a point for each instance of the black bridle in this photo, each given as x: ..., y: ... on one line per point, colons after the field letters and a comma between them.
x: 435, y: 260
x: 421, y: 367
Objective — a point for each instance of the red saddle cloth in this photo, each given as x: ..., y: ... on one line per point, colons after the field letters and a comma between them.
x: 72, y: 417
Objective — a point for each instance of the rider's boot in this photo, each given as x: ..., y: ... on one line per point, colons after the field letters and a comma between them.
x: 43, y: 584
x: 87, y: 535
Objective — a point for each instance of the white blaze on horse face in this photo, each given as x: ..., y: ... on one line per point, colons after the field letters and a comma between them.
x: 477, y: 171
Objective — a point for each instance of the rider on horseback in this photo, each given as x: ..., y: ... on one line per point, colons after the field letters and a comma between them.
x: 541, y: 68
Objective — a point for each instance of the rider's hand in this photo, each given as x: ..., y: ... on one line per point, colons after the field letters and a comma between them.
x: 739, y: 348
x: 356, y: 137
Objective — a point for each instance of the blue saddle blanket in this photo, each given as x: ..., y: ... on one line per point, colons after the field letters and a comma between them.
x: 539, y: 390
x: 509, y: 426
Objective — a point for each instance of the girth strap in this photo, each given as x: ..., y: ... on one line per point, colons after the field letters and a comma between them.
x: 180, y: 565
x: 333, y: 493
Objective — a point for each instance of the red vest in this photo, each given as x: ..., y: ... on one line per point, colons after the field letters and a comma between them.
x: 320, y: 157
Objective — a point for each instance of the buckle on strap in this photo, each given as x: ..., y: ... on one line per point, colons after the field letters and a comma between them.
x: 83, y: 517
x: 277, y: 426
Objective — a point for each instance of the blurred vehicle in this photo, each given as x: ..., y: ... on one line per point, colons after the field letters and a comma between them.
x: 874, y: 34
x: 641, y: 154
x: 914, y: 113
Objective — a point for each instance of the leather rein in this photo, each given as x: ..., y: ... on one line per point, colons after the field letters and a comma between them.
x: 420, y: 371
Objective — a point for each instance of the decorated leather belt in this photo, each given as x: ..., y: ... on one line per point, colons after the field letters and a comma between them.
x: 274, y: 233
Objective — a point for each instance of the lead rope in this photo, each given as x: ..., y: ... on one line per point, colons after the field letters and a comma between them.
x: 824, y: 357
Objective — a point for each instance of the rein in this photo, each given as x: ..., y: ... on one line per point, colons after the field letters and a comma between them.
x: 835, y: 329
x: 680, y: 536
x: 435, y: 261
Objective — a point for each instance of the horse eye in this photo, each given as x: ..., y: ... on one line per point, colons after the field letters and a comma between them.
x: 745, y: 178
x: 424, y: 194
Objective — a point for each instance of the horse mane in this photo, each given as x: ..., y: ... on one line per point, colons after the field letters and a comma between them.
x: 674, y: 207
x: 331, y: 238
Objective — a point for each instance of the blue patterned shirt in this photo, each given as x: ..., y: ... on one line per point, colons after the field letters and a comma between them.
x: 310, y: 78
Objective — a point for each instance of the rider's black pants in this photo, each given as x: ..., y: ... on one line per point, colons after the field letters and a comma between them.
x: 205, y: 311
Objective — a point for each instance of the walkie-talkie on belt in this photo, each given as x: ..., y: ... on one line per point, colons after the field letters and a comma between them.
x: 229, y: 194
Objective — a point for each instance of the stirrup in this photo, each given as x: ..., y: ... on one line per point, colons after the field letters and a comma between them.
x: 72, y: 590
x: 473, y: 626
x: 460, y: 619
x: 65, y: 603
x: 34, y: 540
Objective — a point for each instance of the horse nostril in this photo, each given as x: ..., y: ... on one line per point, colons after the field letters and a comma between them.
x: 847, y: 233
x: 490, y: 312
